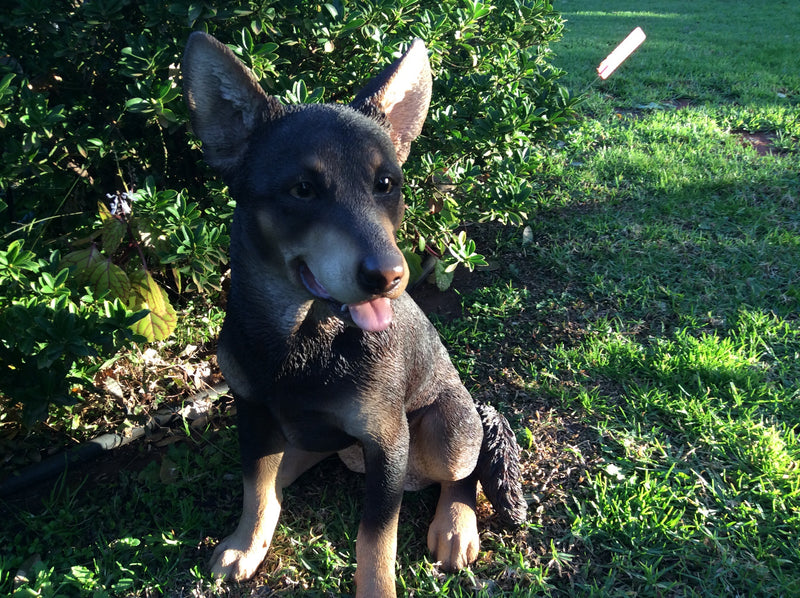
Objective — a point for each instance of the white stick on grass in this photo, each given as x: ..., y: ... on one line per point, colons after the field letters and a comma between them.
x: 620, y: 53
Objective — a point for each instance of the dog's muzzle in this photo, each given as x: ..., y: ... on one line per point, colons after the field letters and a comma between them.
x: 373, y: 315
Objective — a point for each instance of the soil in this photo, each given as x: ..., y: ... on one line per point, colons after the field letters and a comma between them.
x: 763, y: 143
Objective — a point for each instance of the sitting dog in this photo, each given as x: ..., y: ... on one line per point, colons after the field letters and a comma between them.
x: 323, y: 349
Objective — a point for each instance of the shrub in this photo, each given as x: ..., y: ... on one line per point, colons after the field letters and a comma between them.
x: 46, y: 329
x: 91, y: 108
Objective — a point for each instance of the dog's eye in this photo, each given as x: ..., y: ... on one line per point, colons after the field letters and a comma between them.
x: 384, y: 185
x: 303, y: 190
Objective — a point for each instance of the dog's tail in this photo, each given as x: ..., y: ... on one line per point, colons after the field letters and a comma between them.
x: 498, y: 467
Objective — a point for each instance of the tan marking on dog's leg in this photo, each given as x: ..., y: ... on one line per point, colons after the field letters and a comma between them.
x: 238, y: 556
x: 375, y: 556
x: 453, y: 535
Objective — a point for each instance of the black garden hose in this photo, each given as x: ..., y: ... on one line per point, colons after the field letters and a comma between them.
x: 53, y: 466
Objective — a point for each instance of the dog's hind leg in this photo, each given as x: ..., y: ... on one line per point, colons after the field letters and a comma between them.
x: 453, y: 534
x: 268, y: 466
x: 446, y: 439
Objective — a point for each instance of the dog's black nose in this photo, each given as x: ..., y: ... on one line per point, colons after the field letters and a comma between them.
x: 377, y: 276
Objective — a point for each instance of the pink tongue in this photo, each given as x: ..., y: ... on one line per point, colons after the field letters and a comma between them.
x: 372, y: 316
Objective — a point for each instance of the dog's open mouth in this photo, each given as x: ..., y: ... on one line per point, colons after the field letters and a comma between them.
x: 373, y: 315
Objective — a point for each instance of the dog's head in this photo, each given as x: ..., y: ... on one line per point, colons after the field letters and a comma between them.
x: 319, y: 185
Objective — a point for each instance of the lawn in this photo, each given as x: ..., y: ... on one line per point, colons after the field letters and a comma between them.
x: 640, y: 331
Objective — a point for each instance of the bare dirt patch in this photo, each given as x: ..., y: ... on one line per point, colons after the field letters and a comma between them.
x: 762, y: 142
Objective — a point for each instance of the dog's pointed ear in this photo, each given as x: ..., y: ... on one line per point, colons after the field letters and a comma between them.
x: 226, y: 102
x: 401, y: 94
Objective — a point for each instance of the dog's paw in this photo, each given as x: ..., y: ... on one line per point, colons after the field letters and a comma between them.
x: 453, y: 537
x: 235, y: 562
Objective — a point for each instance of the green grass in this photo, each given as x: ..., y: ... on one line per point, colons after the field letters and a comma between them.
x: 684, y: 243
x: 709, y: 50
x: 698, y: 485
x: 642, y: 336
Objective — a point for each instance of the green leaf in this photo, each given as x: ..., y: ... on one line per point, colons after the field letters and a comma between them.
x: 106, y: 276
x: 138, y: 105
x: 82, y: 262
x: 444, y: 275
x: 5, y: 82
x: 168, y: 115
x: 113, y: 232
x: 16, y: 259
x: 146, y: 294
x: 414, y: 261
x: 104, y: 212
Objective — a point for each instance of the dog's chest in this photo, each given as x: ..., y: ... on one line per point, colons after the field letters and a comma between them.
x: 327, y: 388
x: 316, y: 368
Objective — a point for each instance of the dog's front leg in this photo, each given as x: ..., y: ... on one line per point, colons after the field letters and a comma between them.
x: 385, y: 464
x: 268, y: 466
x: 238, y: 556
x: 262, y: 446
